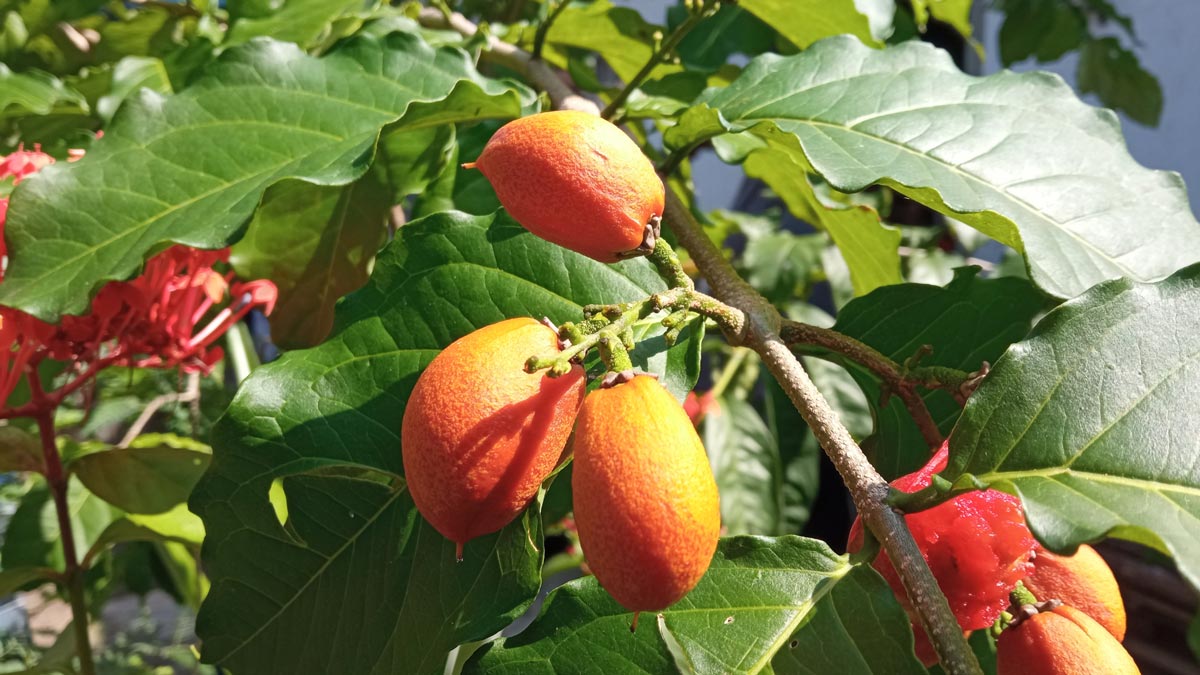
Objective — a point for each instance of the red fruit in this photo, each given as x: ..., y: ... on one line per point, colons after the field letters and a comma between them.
x: 977, y: 546
x: 480, y: 434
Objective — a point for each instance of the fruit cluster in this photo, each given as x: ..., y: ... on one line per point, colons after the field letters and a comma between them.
x: 979, y: 550
x: 480, y: 434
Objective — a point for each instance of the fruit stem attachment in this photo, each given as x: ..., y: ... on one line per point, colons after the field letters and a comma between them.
x: 613, y: 352
x: 669, y: 268
x: 695, y: 16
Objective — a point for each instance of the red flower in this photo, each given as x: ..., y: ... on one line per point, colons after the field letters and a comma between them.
x: 167, y: 317
x: 977, y: 546
x: 697, y: 406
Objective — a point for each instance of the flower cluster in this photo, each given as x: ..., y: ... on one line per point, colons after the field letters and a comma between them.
x: 168, y: 317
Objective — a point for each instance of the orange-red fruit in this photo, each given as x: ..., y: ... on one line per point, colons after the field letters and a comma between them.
x: 480, y: 434
x: 576, y: 180
x: 1083, y: 581
x: 645, y: 499
x: 1062, y: 641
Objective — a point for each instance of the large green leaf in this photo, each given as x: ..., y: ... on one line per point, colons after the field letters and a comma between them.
x: 356, y: 548
x: 970, y: 321
x: 803, y: 22
x: 856, y: 628
x: 1016, y: 156
x: 316, y: 243
x: 1092, y: 420
x: 755, y: 595
x: 192, y: 167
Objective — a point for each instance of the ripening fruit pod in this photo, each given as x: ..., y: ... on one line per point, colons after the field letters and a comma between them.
x: 576, y: 180
x: 480, y: 434
x: 977, y: 546
x: 645, y: 500
x: 1061, y: 641
x: 1083, y: 581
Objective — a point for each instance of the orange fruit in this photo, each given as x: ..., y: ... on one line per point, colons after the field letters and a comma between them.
x: 1061, y: 641
x: 646, y: 504
x: 480, y: 434
x: 1083, y: 581
x: 576, y: 180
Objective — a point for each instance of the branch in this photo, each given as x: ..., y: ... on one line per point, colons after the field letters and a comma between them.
x: 896, y: 379
x: 187, y: 395
x: 664, y: 50
x: 760, y: 332
x: 561, y: 94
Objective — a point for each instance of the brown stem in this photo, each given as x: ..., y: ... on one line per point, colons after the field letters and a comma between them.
x: 895, y: 379
x: 760, y: 332
x: 57, y: 480
x: 867, y: 487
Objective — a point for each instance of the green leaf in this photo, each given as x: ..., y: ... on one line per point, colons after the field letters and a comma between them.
x: 1193, y: 636
x: 304, y: 22
x: 619, y: 34
x: 756, y: 593
x: 1046, y: 29
x: 413, y: 158
x: 870, y: 248
x: 1091, y: 420
x: 970, y: 321
x: 858, y: 627
x: 179, y: 526
x: 128, y: 76
x: 1114, y: 74
x: 153, y: 475
x: 746, y: 464
x: 1083, y: 212
x: 957, y: 13
x: 317, y: 244
x: 732, y: 30
x: 20, y: 450
x: 33, y: 539
x: 799, y: 453
x: 803, y: 22
x: 13, y: 578
x: 165, y: 170
x: 37, y: 93
x: 355, y: 543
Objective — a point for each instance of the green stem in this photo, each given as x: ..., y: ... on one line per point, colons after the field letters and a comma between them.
x: 539, y: 38
x: 668, y: 45
x: 613, y: 352
x: 1022, y: 596
x: 667, y: 263
x: 735, y: 362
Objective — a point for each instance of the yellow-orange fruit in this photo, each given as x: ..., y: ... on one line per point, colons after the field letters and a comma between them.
x: 1062, y: 641
x: 1083, y: 581
x: 645, y: 500
x: 576, y: 180
x: 480, y: 434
